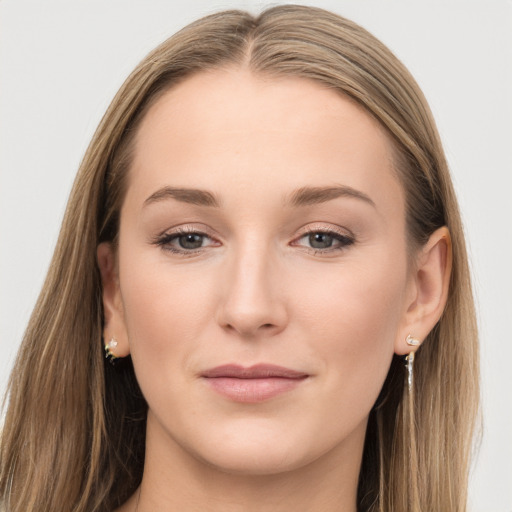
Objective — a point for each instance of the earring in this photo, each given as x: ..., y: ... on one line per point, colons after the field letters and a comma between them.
x: 409, y: 359
x: 409, y: 417
x: 413, y: 342
x: 112, y: 344
x: 409, y: 363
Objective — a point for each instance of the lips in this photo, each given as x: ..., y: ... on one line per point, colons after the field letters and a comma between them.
x: 252, y: 384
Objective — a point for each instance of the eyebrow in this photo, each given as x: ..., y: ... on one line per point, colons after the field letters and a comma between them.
x: 304, y: 196
x: 185, y: 195
x: 307, y: 196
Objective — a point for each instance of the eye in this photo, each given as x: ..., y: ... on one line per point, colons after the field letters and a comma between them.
x: 184, y: 241
x: 323, y: 241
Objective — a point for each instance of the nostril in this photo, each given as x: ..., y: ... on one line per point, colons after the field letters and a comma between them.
x: 251, y: 330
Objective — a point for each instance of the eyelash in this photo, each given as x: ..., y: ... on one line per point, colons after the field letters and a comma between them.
x: 164, y: 241
x: 343, y: 240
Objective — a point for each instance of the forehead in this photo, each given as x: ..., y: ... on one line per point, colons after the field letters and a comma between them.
x: 233, y: 130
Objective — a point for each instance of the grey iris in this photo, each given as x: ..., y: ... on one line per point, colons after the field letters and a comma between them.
x: 320, y: 240
x: 191, y: 241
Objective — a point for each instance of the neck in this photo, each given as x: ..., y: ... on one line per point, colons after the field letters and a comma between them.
x: 174, y: 479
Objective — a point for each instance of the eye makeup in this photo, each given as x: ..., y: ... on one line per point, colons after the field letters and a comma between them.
x: 316, y: 239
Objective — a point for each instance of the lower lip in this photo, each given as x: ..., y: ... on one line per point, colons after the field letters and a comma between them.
x: 253, y: 390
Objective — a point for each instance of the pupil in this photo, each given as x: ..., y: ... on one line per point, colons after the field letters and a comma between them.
x: 320, y: 240
x: 191, y: 241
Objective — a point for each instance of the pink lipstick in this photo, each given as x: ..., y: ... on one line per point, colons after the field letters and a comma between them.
x: 253, y: 384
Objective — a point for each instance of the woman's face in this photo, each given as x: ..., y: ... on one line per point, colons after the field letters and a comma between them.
x: 262, y: 267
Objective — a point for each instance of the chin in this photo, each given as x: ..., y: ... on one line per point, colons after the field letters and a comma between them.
x: 258, y: 448
x: 255, y: 460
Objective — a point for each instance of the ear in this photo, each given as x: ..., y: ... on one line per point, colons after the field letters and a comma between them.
x: 427, y: 291
x: 114, y: 324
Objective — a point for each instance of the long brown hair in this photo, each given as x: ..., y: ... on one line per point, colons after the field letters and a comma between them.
x: 74, y: 432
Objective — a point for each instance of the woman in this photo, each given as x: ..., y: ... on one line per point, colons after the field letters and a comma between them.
x: 264, y: 237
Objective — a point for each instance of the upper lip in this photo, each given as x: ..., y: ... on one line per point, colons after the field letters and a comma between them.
x: 257, y: 371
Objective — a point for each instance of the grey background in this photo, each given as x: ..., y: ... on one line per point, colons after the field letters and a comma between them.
x: 61, y: 62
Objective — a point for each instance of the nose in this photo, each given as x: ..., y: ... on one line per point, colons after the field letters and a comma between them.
x: 253, y: 302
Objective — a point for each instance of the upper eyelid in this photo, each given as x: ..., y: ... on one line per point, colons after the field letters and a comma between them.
x: 317, y: 228
x: 176, y: 231
x: 172, y: 235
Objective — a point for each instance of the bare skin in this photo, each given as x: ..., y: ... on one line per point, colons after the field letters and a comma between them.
x: 292, y: 253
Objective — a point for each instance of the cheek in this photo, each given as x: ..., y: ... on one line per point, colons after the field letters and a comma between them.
x: 351, y: 318
x: 165, y: 313
x: 359, y: 299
